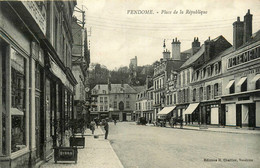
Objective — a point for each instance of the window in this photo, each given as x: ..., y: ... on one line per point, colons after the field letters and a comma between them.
x: 18, y: 102
x: 105, y: 99
x: 244, y: 86
x: 170, y: 99
x: 127, y: 104
x: 101, y: 99
x: 194, y: 95
x: 232, y: 88
x: 174, y: 100
x: 115, y: 96
x: 257, y: 84
x: 101, y: 108
x: 128, y: 96
x: 215, y: 90
x: 106, y: 109
x: 115, y: 104
x: 208, y: 92
x: 201, y: 93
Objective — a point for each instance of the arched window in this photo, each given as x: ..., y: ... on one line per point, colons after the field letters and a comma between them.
x: 257, y: 84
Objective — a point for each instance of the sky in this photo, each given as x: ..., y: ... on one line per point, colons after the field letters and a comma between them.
x: 117, y: 34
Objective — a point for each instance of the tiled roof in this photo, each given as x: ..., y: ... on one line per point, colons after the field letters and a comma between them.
x: 194, y: 57
x: 115, y: 88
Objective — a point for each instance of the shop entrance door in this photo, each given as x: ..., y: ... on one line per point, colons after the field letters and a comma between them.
x: 251, y: 115
x: 124, y: 116
x: 238, y: 116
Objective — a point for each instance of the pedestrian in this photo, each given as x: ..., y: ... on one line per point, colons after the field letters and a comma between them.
x: 92, y: 126
x: 106, y: 127
x: 97, y: 121
x: 115, y: 121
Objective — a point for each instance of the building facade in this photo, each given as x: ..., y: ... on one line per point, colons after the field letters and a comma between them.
x: 241, y: 77
x: 80, y: 64
x: 114, y: 101
x: 37, y: 84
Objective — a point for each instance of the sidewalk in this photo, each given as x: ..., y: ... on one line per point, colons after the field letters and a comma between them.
x: 97, y: 153
x: 227, y: 129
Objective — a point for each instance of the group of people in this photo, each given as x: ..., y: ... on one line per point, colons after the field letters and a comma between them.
x: 95, y: 123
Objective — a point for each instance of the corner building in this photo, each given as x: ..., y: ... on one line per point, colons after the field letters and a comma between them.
x: 241, y: 77
x: 36, y: 81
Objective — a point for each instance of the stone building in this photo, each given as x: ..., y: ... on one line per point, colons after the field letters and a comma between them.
x: 144, y: 102
x: 114, y: 101
x: 37, y: 84
x: 240, y: 98
x: 162, y: 70
x: 80, y: 64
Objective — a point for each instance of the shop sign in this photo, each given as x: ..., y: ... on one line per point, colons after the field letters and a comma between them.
x: 245, y: 73
x: 244, y: 57
x: 65, y: 154
x: 35, y: 12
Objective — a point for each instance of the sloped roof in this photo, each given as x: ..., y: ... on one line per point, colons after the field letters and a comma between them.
x: 139, y: 88
x: 115, y: 88
x: 194, y: 57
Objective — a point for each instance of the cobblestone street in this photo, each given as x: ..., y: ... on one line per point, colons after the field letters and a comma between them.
x: 149, y: 146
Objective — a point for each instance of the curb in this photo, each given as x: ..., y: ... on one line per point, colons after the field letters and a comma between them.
x: 119, y: 162
x: 253, y: 133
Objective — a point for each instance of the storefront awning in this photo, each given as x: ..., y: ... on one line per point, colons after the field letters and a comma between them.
x: 58, y: 72
x: 166, y: 110
x: 191, y: 108
x: 241, y: 81
x: 16, y: 112
x: 230, y: 83
x: 255, y: 78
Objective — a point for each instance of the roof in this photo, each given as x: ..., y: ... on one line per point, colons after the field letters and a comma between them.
x: 139, y: 88
x: 115, y: 88
x: 254, y: 38
x: 194, y: 57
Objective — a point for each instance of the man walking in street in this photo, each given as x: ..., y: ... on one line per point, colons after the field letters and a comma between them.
x: 106, y: 127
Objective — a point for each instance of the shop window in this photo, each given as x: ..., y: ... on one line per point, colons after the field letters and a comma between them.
x: 257, y: 84
x: 18, y: 102
x: 3, y: 100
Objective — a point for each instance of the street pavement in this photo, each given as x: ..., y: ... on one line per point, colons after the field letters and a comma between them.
x: 140, y: 146
x: 97, y: 153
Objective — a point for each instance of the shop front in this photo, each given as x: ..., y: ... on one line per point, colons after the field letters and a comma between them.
x: 210, y: 112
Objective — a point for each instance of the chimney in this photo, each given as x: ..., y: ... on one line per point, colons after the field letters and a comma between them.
x: 176, y: 49
x: 195, y: 45
x: 238, y: 33
x: 208, y: 48
x: 166, y: 54
x: 247, y: 26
